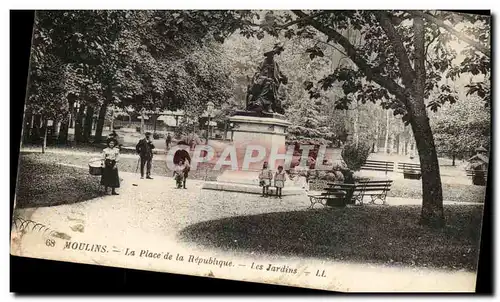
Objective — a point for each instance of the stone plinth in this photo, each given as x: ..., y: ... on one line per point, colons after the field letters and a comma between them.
x: 266, y: 132
x: 250, y: 134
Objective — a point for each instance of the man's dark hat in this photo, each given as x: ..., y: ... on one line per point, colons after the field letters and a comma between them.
x: 148, y: 133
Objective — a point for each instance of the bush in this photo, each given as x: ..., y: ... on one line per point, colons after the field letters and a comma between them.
x: 330, y: 176
x: 355, y: 157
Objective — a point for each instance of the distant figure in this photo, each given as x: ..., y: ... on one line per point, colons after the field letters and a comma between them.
x: 279, y: 181
x: 348, y: 179
x: 168, y: 140
x: 114, y: 135
x: 110, y: 170
x: 145, y: 150
x: 265, y: 177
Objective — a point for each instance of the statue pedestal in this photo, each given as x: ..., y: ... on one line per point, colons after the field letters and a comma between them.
x: 251, y: 133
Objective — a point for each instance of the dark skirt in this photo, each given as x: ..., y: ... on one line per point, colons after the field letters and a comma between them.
x: 109, y: 175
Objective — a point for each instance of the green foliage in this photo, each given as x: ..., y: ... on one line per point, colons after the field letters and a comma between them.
x: 355, y: 156
x: 377, y: 52
x: 461, y: 128
x: 150, y: 59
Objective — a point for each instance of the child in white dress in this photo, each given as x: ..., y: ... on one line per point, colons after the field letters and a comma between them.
x: 279, y: 180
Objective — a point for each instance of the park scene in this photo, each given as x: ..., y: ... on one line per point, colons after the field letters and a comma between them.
x: 355, y: 139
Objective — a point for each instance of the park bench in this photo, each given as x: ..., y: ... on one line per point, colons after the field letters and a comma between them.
x: 471, y: 173
x: 322, y: 198
x: 410, y: 170
x: 376, y: 189
x: 377, y: 165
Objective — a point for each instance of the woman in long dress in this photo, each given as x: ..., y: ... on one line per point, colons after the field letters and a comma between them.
x: 110, y: 170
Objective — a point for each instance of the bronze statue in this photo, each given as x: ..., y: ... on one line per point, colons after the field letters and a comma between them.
x: 262, y: 93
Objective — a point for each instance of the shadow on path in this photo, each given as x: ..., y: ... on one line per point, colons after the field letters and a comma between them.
x: 388, y: 235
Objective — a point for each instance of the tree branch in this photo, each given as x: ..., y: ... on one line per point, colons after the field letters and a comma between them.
x: 419, y: 39
x: 432, y: 41
x: 388, y: 83
x: 405, y: 70
x: 333, y: 46
x: 480, y: 47
x: 303, y: 19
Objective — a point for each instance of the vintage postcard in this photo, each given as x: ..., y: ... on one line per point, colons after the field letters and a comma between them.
x: 335, y: 150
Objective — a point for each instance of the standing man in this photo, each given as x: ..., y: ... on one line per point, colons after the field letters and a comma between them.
x: 168, y: 140
x: 145, y: 150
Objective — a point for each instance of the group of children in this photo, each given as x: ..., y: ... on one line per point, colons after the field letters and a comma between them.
x: 266, y: 177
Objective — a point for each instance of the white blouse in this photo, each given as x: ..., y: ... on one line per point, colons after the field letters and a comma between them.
x: 111, y: 153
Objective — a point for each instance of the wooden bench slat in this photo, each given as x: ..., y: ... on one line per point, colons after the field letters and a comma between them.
x: 377, y: 165
x: 376, y: 189
x: 377, y: 169
x: 375, y: 181
x: 379, y: 161
x: 363, y: 183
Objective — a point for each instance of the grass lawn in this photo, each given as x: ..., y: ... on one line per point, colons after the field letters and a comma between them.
x: 413, y: 189
x: 389, y: 235
x: 42, y: 184
x: 159, y: 167
x: 452, y: 192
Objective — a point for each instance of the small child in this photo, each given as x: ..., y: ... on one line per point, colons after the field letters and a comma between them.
x: 265, y: 177
x: 279, y: 181
x: 179, y: 174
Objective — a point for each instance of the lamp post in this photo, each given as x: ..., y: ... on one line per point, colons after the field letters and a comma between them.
x: 142, y: 112
x: 210, y: 108
x: 231, y: 125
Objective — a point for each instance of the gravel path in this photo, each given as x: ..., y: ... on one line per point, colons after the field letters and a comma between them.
x: 148, y: 214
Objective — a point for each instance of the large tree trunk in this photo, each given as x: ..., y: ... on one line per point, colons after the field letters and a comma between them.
x: 386, y: 144
x: 66, y: 124
x: 100, y: 122
x: 45, y: 128
x: 392, y: 144
x: 453, y: 159
x: 89, y: 117
x: 225, y: 130
x: 356, y: 125
x: 432, y: 194
x: 27, y: 125
x: 79, y: 124
x: 63, y: 131
x: 142, y: 123
x: 401, y: 145
x: 102, y: 115
x: 36, y: 133
x: 432, y: 203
